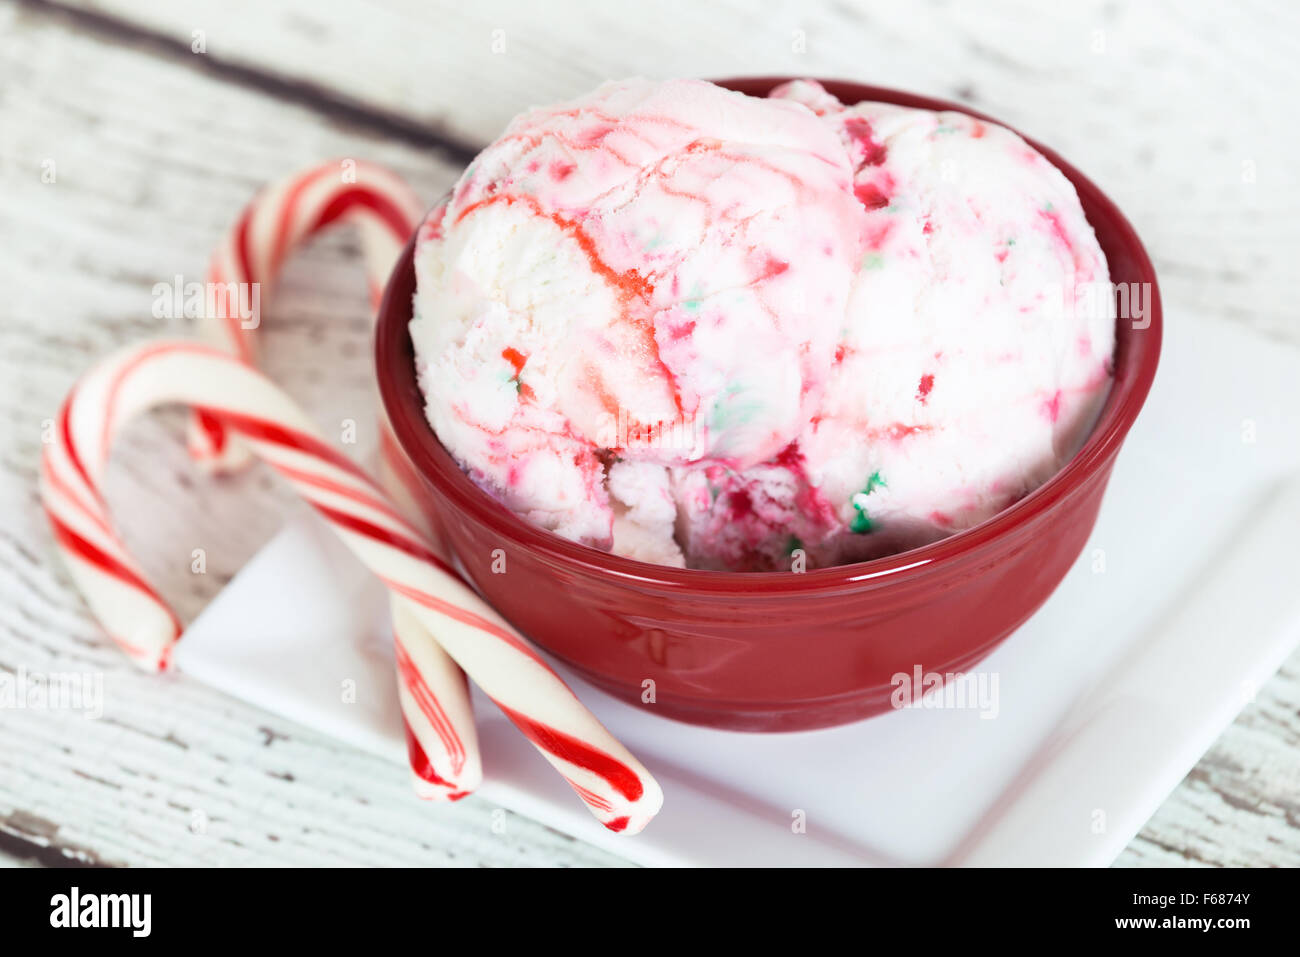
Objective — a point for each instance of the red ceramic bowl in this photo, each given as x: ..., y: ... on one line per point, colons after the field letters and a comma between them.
x: 780, y: 652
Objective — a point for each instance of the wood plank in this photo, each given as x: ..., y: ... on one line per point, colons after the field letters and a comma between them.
x: 1149, y: 99
x: 152, y: 162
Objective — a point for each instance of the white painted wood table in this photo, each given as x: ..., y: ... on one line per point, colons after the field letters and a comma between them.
x: 155, y: 120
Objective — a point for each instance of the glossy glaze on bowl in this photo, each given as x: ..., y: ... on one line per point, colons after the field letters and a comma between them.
x: 770, y: 651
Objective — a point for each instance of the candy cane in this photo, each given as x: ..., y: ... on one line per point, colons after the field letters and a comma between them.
x: 279, y: 220
x: 614, y: 785
x: 272, y: 227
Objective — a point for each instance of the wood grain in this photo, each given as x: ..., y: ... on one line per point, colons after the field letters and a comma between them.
x: 1175, y: 109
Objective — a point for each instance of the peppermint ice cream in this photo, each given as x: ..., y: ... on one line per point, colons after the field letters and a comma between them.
x: 696, y: 327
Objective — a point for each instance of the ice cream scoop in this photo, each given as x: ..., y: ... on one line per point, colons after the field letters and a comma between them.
x: 636, y: 279
x: 973, y: 358
x: 693, y: 326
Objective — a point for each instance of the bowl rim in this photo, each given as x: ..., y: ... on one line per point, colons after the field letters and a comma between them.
x: 403, y: 403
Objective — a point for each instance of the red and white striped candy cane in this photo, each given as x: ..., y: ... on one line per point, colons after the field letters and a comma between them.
x: 614, y: 785
x: 279, y: 220
x: 272, y: 227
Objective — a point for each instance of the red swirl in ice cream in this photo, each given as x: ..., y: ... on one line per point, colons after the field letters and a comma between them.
x: 635, y: 280
x: 697, y: 327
